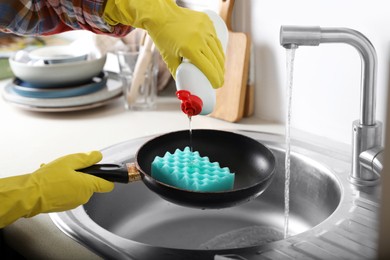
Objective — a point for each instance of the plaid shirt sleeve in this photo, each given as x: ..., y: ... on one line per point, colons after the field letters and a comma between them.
x: 46, y: 17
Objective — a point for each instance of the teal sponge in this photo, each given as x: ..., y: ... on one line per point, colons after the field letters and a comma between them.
x: 188, y: 170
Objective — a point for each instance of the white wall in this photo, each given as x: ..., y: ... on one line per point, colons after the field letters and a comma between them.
x: 327, y: 78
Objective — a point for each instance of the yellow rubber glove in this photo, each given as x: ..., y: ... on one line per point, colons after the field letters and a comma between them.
x: 177, y: 32
x: 56, y: 186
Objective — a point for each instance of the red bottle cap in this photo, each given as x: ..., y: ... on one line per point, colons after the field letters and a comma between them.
x: 191, y: 105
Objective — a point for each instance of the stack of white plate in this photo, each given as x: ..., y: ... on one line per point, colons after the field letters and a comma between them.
x: 60, y: 78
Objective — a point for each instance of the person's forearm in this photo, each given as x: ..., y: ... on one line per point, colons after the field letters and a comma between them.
x: 47, y: 17
x: 14, y: 203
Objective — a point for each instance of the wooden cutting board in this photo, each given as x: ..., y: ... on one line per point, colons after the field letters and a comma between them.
x: 230, y: 101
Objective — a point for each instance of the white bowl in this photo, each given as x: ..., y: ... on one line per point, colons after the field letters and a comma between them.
x: 58, y: 54
x: 61, y: 74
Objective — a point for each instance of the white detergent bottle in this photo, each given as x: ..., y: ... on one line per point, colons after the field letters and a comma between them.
x: 193, y: 88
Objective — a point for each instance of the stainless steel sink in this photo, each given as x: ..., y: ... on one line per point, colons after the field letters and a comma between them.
x: 133, y: 223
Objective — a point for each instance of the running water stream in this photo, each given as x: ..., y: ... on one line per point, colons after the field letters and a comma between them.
x: 290, y: 54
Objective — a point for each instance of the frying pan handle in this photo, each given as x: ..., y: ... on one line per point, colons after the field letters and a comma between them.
x: 123, y: 173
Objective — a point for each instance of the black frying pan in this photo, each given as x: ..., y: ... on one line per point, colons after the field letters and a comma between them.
x: 252, y: 162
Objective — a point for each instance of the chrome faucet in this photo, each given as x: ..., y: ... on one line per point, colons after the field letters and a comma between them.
x: 367, y: 150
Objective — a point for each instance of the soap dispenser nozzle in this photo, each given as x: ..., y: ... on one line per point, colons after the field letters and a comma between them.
x: 191, y: 105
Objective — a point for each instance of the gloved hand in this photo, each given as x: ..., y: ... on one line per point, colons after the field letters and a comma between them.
x: 177, y: 32
x: 55, y: 186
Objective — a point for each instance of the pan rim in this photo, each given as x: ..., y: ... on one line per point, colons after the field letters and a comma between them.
x: 234, y: 190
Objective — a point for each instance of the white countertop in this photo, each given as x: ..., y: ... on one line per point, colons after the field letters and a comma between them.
x: 31, y: 138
